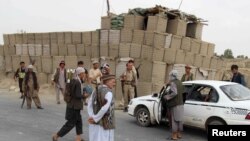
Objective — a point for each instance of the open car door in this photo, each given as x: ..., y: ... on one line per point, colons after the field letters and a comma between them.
x: 158, y: 104
x: 157, y: 110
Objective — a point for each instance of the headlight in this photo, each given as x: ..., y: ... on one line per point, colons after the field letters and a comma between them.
x: 131, y: 102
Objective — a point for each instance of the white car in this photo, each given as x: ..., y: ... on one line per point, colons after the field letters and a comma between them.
x: 207, y: 103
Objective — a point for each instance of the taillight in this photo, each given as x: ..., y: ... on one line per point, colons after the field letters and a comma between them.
x: 248, y: 116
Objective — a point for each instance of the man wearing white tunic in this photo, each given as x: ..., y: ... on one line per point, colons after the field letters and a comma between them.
x: 101, y: 111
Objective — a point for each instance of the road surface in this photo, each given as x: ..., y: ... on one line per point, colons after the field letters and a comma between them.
x: 18, y: 124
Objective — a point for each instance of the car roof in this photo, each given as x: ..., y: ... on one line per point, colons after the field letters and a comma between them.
x: 213, y: 83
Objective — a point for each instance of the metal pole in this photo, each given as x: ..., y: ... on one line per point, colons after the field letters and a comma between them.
x: 108, y: 8
x: 180, y: 4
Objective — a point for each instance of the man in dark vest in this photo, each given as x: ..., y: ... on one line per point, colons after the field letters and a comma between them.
x: 237, y: 76
x: 20, y: 74
x: 74, y: 107
x: 175, y: 104
x: 31, y: 88
x: 101, y: 108
x: 59, y: 79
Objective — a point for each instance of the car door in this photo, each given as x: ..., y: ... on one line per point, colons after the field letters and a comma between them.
x: 157, y: 110
x: 196, y: 110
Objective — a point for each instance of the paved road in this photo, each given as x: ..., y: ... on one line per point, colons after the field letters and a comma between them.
x: 38, y: 125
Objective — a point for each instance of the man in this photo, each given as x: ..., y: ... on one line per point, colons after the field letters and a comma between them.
x: 188, y: 76
x: 237, y: 76
x: 81, y: 64
x: 95, y: 75
x: 175, y: 104
x: 31, y: 88
x: 105, y: 69
x: 59, y: 78
x: 20, y: 73
x: 101, y: 110
x: 73, y: 108
x: 136, y: 71
x: 129, y: 80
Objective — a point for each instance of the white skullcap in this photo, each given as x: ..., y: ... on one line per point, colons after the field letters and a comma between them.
x: 95, y: 62
x: 173, y: 73
x: 30, y: 67
x: 80, y: 70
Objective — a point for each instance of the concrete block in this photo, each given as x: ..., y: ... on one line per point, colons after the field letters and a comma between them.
x: 180, y: 57
x: 176, y: 42
x: 95, y: 37
x: 86, y: 38
x: 53, y: 37
x: 63, y: 51
x: 158, y: 54
x: 76, y: 37
x: 157, y: 23
x: 169, y: 55
x: 149, y: 38
x: 80, y: 50
x: 147, y: 52
x: 124, y: 50
x: 113, y: 51
x: 47, y: 64
x: 114, y: 36
x: 135, y: 50
x: 71, y: 49
x: 46, y: 50
x: 68, y: 37
x: 71, y: 62
x: 54, y: 50
x: 60, y: 38
x: 159, y: 72
x: 46, y: 38
x: 138, y: 36
x: 186, y: 44
x: 195, y: 46
x: 177, y: 27
x: 126, y: 36
x: 15, y: 62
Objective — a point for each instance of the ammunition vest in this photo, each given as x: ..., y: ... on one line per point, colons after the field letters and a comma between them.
x: 108, y: 120
x: 56, y: 77
x: 21, y: 73
x: 178, y: 99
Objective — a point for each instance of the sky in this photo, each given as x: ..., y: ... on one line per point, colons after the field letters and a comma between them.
x: 228, y: 26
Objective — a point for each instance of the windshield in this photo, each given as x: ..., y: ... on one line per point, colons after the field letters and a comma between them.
x: 236, y: 92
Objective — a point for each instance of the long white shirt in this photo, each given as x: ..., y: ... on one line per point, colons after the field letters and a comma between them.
x: 96, y: 132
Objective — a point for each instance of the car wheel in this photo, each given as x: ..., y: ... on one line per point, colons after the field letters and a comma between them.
x: 216, y: 122
x: 143, y: 117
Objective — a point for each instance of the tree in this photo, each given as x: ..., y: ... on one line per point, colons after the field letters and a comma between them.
x: 228, y: 53
x: 241, y: 56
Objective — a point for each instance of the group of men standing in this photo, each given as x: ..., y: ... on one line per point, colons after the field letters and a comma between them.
x: 28, y: 85
x: 100, y: 102
x: 96, y: 86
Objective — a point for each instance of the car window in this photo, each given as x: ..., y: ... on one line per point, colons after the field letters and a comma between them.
x: 236, y: 92
x: 203, y: 94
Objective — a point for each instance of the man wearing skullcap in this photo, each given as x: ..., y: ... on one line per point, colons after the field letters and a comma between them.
x: 101, y: 108
x: 174, y: 102
x: 31, y: 88
x: 74, y: 106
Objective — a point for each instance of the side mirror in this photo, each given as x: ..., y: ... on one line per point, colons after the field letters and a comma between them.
x: 155, y: 95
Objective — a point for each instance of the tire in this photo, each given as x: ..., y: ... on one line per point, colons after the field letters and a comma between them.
x: 143, y: 117
x: 216, y: 122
